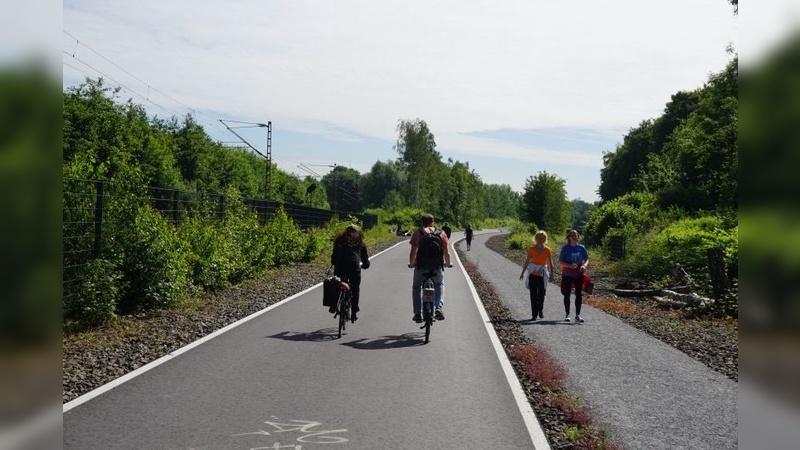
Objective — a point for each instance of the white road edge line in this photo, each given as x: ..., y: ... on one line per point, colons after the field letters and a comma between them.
x: 131, y: 375
x: 537, y: 435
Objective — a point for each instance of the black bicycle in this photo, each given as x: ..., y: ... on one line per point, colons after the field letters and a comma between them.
x: 343, y: 306
x: 428, y: 295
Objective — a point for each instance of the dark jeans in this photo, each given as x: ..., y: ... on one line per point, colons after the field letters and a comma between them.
x: 354, y: 280
x: 537, y: 290
x: 566, y: 287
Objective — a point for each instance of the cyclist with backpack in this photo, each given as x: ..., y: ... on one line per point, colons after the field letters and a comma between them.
x: 429, y: 253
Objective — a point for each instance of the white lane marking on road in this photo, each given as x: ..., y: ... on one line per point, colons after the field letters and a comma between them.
x: 304, y: 428
x: 537, y: 435
x: 131, y: 375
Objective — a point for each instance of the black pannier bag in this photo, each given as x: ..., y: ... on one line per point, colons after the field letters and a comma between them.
x: 330, y: 290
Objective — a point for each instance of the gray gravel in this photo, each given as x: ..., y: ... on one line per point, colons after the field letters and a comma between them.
x: 649, y: 394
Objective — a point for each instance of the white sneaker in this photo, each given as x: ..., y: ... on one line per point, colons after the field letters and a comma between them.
x: 579, y: 319
x: 567, y: 319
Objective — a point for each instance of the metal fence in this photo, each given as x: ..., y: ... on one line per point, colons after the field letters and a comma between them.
x: 92, y: 208
x: 616, y: 247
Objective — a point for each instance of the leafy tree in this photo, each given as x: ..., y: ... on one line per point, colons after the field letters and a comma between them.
x: 420, y: 160
x: 544, y: 202
x: 93, y: 132
x: 698, y: 168
x: 499, y: 201
x: 621, y: 166
x: 393, y: 201
x: 465, y: 196
x: 383, y: 178
x: 628, y: 215
x: 580, y: 213
x: 315, y: 195
x: 289, y: 188
x: 196, y: 156
x: 343, y: 186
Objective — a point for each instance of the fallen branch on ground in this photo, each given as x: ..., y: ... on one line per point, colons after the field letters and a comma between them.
x: 649, y: 292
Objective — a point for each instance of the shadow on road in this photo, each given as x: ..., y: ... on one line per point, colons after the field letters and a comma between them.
x: 387, y: 342
x: 545, y: 322
x: 325, y: 334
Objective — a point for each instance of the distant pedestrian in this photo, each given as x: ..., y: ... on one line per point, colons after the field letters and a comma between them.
x: 573, y: 259
x: 447, y: 230
x: 539, y: 268
x: 468, y: 232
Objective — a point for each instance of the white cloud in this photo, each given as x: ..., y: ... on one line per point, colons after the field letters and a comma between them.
x: 470, y: 145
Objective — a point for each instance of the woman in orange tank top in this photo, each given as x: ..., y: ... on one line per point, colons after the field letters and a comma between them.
x: 539, y: 266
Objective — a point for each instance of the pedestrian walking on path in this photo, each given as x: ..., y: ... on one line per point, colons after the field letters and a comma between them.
x: 537, y: 271
x: 573, y: 259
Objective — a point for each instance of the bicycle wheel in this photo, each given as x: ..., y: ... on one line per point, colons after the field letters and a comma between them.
x: 342, y: 312
x: 428, y: 317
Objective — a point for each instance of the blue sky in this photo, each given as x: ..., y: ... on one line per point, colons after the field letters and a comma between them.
x: 513, y: 88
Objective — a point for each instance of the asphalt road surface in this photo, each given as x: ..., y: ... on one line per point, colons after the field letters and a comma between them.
x: 283, y: 380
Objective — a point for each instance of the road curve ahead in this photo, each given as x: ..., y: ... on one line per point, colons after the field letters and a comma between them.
x: 283, y: 380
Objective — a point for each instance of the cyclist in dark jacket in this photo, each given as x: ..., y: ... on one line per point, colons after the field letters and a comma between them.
x: 348, y: 257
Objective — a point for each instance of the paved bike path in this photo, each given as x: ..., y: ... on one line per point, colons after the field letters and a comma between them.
x: 651, y: 395
x: 283, y: 380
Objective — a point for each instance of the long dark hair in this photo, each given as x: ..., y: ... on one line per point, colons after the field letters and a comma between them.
x: 352, y: 236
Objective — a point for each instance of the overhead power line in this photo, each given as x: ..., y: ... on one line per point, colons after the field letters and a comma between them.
x: 150, y: 88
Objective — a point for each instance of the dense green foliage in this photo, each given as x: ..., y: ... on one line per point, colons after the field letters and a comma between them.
x: 688, y: 157
x: 685, y: 241
x: 580, y: 213
x: 671, y: 188
x: 626, y: 216
x: 450, y: 190
x: 545, y: 203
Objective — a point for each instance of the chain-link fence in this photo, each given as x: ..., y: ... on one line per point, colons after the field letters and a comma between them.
x: 93, y: 208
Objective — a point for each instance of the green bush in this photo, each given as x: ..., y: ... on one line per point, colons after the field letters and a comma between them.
x: 626, y: 216
x: 207, y: 254
x: 96, y: 301
x: 686, y: 242
x: 406, y: 218
x: 248, y: 250
x: 312, y: 245
x: 285, y: 238
x: 155, y: 271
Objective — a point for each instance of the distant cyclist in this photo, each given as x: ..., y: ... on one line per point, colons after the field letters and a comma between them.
x: 348, y: 257
x: 429, y: 253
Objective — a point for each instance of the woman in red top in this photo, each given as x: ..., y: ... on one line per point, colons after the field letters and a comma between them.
x: 539, y: 265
